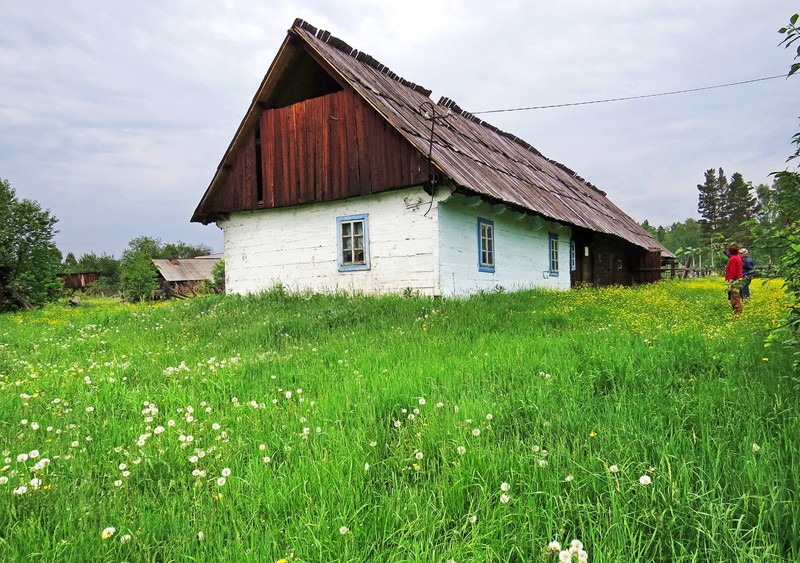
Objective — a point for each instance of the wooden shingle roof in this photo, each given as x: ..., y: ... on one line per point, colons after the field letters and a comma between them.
x: 475, y: 155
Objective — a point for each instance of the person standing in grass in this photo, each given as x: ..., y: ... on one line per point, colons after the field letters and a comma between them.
x: 747, y: 272
x: 733, y: 277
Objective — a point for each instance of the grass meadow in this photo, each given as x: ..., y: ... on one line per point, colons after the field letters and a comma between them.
x: 645, y: 423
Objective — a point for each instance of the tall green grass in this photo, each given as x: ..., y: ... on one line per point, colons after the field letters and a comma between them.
x: 348, y: 428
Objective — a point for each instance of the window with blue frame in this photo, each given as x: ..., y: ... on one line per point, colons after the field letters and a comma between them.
x: 485, y: 245
x: 553, y: 254
x: 573, y: 256
x: 353, y: 242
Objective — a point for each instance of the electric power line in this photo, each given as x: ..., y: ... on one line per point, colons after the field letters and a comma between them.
x: 631, y: 97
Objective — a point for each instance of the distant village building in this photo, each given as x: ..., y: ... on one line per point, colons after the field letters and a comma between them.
x: 345, y: 176
x: 80, y: 281
x: 183, y: 278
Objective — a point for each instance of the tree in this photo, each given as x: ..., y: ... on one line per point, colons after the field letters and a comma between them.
x: 108, y: 269
x: 710, y: 204
x: 138, y: 276
x: 29, y: 259
x: 70, y: 265
x: 786, y: 201
x: 738, y: 207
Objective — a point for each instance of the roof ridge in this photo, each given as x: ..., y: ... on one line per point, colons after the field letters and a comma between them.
x: 335, y: 42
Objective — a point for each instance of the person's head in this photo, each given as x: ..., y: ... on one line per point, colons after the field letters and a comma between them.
x: 733, y: 249
x: 744, y: 252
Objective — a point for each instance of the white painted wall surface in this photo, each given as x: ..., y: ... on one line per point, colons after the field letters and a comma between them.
x: 522, y: 258
x: 297, y: 246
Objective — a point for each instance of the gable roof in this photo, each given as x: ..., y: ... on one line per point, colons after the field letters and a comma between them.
x: 474, y: 156
x: 189, y: 269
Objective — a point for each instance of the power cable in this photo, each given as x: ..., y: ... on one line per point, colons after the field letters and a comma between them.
x: 631, y: 97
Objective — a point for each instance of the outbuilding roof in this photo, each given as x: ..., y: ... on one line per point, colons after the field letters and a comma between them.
x: 190, y: 269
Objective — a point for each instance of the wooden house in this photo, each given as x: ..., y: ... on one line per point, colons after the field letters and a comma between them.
x: 344, y: 176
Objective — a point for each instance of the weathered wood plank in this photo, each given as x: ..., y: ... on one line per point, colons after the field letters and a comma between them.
x: 268, y: 157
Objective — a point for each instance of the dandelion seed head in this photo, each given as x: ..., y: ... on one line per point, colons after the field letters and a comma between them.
x: 554, y: 547
x: 645, y: 480
x: 107, y: 532
x: 343, y: 530
x: 505, y: 487
x: 614, y: 469
x: 504, y: 498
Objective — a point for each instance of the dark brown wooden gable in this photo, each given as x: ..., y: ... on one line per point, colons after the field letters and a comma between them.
x: 331, y: 147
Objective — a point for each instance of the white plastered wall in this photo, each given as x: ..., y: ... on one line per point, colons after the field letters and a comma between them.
x: 522, y: 258
x: 296, y: 246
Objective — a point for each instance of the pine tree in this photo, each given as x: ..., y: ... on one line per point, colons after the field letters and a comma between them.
x: 710, y: 202
x: 739, y: 206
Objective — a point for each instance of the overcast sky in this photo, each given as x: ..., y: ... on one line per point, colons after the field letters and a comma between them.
x: 115, y: 115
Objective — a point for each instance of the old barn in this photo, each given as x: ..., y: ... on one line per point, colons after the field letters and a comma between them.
x: 343, y: 176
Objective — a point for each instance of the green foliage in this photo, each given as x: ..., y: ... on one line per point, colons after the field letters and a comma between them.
x: 792, y: 33
x: 138, y: 274
x: 740, y: 207
x: 784, y: 202
x: 383, y: 428
x: 711, y: 202
x: 29, y: 259
x: 218, y: 275
x: 725, y: 207
x: 109, y: 269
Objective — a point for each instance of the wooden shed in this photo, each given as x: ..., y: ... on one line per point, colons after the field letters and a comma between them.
x: 344, y: 176
x: 184, y: 277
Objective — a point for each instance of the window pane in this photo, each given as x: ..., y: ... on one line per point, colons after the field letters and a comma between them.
x: 358, y: 228
x: 346, y: 227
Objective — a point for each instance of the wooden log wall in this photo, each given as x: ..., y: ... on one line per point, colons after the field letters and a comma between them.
x: 326, y: 148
